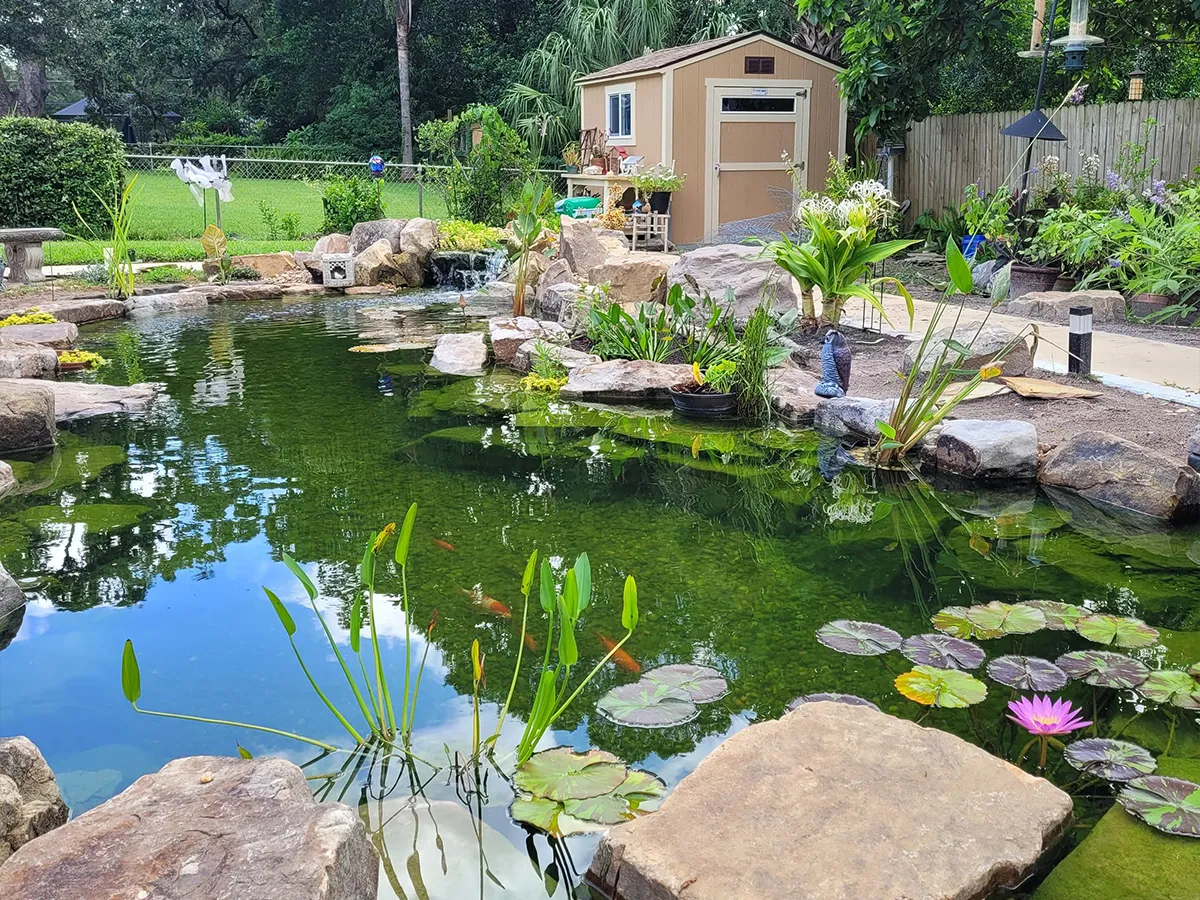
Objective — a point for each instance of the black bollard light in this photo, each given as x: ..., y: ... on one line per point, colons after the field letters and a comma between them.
x: 1080, y: 360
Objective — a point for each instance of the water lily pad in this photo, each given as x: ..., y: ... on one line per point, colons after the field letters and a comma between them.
x: 1103, y: 669
x: 646, y: 704
x: 848, y: 699
x: 643, y: 791
x: 942, y: 651
x: 563, y: 774
x: 96, y: 517
x: 550, y: 816
x: 1117, y: 631
x: 1172, y: 686
x: 700, y: 683
x: 1109, y: 759
x: 858, y: 638
x: 379, y: 348
x: 1006, y: 618
x: 1027, y: 673
x: 1059, y: 616
x: 1168, y: 804
x: 945, y: 688
x: 607, y: 809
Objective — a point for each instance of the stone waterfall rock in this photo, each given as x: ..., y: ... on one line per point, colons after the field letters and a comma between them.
x: 837, y: 801
x: 985, y: 448
x: 364, y: 234
x: 375, y: 264
x: 30, y: 802
x: 625, y: 379
x: 204, y: 827
x: 566, y: 304
x: 736, y: 266
x: 26, y: 415
x: 985, y: 345
x: 460, y: 354
x: 579, y: 246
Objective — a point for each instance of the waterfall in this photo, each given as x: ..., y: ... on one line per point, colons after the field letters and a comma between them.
x: 465, y: 270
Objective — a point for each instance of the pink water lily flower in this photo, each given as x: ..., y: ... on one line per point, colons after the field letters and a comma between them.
x: 1042, y: 716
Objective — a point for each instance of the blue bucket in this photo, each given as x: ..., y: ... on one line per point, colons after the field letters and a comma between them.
x: 971, y: 244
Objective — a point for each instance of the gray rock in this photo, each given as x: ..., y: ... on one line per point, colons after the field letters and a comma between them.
x: 625, y: 379
x: 873, y: 801
x: 736, y: 266
x: 496, y: 293
x: 204, y: 826
x: 364, y: 234
x: 982, y: 275
x: 12, y: 612
x: 579, y: 246
x: 853, y: 417
x: 83, y: 312
x: 566, y: 304
x: 331, y: 243
x: 557, y: 272
x: 30, y: 802
x: 8, y: 481
x: 984, y: 448
x: 182, y: 301
x: 26, y: 415
x: 238, y: 291
x: 635, y: 277
x: 1055, y: 306
x: 507, y: 334
x: 460, y: 354
x: 985, y: 345
x: 1193, y: 449
x: 57, y: 335
x: 375, y: 264
x: 23, y: 359
x: 1112, y: 472
x: 80, y: 400
x: 792, y: 395
x: 570, y: 358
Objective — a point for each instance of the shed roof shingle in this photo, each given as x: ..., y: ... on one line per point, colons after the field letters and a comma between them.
x: 657, y: 59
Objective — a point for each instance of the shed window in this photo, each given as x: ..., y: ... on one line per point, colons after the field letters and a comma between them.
x: 758, y: 104
x: 760, y: 65
x: 620, y: 113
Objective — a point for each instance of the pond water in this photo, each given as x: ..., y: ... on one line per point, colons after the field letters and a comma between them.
x: 272, y: 437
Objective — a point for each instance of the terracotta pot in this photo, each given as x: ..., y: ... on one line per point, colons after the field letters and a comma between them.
x: 1029, y: 279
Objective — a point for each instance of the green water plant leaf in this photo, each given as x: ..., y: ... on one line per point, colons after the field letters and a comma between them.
x: 1027, y: 673
x: 830, y: 697
x: 1103, y: 669
x: 607, y: 809
x: 629, y: 610
x: 647, y: 704
x: 301, y: 576
x: 561, y: 773
x: 858, y: 638
x: 700, y: 683
x: 285, y: 617
x: 643, y: 791
x: 1172, y: 686
x: 404, y: 540
x: 942, y: 651
x: 1171, y: 805
x: 953, y: 621
x: 945, y: 688
x: 1117, y: 631
x: 1109, y: 759
x: 131, y: 676
x: 1059, y: 616
x: 548, y: 815
x: 1006, y: 618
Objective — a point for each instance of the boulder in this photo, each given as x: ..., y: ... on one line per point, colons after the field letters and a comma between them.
x: 565, y: 303
x: 568, y: 357
x: 419, y: 237
x: 497, y: 293
x: 991, y: 339
x: 140, y: 307
x: 30, y: 802
x: 410, y: 270
x: 625, y: 379
x: 204, y: 826
x: 331, y: 243
x: 80, y: 399
x: 508, y: 333
x: 26, y: 415
x: 736, y: 266
x: 838, y: 801
x: 636, y: 277
x: 268, y: 265
x: 1109, y: 471
x: 853, y: 417
x: 12, y: 612
x: 558, y: 271
x: 8, y: 483
x: 579, y: 246
x: 1055, y: 306
x: 792, y: 395
x: 364, y: 234
x: 460, y: 354
x: 23, y: 359
x: 238, y: 291
x: 984, y: 448
x: 1193, y: 449
x: 83, y: 312
x: 56, y: 335
x: 375, y: 264
x: 536, y: 267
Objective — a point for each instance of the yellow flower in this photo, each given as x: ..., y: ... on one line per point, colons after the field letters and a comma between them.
x: 382, y: 537
x: 986, y: 372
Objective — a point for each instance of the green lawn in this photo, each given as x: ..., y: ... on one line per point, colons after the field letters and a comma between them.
x: 65, y: 253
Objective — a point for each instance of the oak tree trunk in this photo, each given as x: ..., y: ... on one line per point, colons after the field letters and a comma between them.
x: 32, y: 87
x: 8, y: 99
x: 404, y: 16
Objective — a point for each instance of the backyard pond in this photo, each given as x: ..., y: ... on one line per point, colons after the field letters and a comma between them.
x: 273, y: 438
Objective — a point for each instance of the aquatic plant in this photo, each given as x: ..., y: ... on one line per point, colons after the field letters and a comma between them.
x: 1102, y: 669
x: 82, y: 357
x: 703, y: 328
x: 945, y: 688
x: 1109, y: 759
x: 118, y: 259
x: 619, y: 335
x: 1044, y: 719
x: 859, y: 638
x: 1171, y: 805
x: 664, y: 697
x: 942, y: 651
x: 536, y: 197
x: 1118, y: 631
x: 1027, y: 673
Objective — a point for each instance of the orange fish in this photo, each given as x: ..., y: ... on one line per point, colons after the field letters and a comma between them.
x: 488, y: 604
x: 621, y: 658
x: 445, y: 545
x: 530, y: 643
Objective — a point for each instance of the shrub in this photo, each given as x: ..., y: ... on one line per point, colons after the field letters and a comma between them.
x: 458, y: 234
x: 350, y: 199
x: 46, y: 167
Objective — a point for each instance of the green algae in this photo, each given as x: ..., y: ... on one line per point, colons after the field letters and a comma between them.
x: 96, y: 517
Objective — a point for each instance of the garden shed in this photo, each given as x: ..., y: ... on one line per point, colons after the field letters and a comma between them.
x: 724, y: 111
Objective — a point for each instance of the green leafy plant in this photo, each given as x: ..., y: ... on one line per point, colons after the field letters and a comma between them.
x: 987, y: 216
x: 571, y: 155
x: 269, y: 213
x: 658, y: 178
x: 216, y: 251
x: 118, y: 259
x: 618, y: 335
x: 547, y: 373
x: 290, y: 227
x: 85, y: 357
x: 31, y: 316
x: 704, y: 328
x: 130, y: 357
x: 469, y: 237
x: 527, y: 228
x: 719, y: 378
x: 348, y: 200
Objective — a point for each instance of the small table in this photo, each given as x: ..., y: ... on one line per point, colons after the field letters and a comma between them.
x: 651, y: 227
x: 23, y: 250
x: 602, y: 183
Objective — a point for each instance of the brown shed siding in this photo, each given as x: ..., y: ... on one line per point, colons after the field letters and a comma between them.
x: 647, y: 114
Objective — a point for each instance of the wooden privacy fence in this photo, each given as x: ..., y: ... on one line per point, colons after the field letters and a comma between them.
x: 944, y: 154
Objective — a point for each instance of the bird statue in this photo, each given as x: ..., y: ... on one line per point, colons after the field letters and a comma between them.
x: 835, y: 366
x: 202, y: 175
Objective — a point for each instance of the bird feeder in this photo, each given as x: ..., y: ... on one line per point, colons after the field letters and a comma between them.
x: 1137, y: 84
x: 1077, y: 41
x: 337, y: 270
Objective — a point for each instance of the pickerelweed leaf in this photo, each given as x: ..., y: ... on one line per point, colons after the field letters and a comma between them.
x: 1027, y: 673
x: 953, y: 621
x: 942, y: 651
x: 131, y: 676
x: 647, y: 704
x: 858, y: 638
x: 1109, y: 759
x: 1172, y: 686
x: 301, y: 575
x: 583, y: 579
x: 700, y: 683
x: 829, y: 697
x: 561, y: 773
x: 356, y: 607
x: 285, y: 617
x: 1103, y: 669
x: 945, y: 688
x: 1007, y: 618
x: 1168, y: 804
x: 1117, y: 631
x: 405, y: 537
x: 1059, y: 616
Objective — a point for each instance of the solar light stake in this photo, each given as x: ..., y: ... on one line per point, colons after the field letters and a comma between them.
x: 1080, y: 360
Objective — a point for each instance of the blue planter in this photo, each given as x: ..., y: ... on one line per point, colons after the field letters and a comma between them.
x: 971, y: 244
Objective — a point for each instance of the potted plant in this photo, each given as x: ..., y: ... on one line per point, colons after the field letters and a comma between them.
x: 571, y: 157
x: 986, y: 219
x: 709, y: 394
x: 658, y: 183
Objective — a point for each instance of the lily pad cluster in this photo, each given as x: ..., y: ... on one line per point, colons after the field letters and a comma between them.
x: 564, y: 792
x: 664, y: 697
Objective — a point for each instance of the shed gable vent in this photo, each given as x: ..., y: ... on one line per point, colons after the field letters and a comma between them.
x: 760, y: 65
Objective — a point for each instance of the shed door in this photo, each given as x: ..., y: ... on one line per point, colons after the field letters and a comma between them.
x: 751, y: 124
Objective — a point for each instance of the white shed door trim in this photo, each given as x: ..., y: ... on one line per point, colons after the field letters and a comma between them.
x: 751, y: 100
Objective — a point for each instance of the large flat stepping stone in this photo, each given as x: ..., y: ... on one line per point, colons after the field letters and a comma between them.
x: 80, y: 400
x: 460, y: 354
x: 83, y: 311
x: 56, y: 335
x: 203, y: 826
x: 836, y: 802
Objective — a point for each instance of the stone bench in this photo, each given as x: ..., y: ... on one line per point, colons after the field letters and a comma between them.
x: 23, y: 251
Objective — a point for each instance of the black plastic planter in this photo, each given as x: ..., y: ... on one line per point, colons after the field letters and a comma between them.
x: 660, y: 201
x: 704, y: 406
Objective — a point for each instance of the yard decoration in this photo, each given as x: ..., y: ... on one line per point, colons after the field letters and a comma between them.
x: 835, y: 366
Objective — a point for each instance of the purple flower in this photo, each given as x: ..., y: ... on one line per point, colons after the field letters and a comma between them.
x: 1114, y: 263
x: 1041, y: 716
x: 1156, y: 193
x: 1115, y: 183
x: 1076, y: 96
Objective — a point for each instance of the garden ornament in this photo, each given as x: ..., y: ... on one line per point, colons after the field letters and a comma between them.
x: 202, y: 175
x: 376, y: 165
x: 835, y: 366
